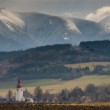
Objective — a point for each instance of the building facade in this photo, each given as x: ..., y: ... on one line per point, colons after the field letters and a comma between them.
x: 19, y: 92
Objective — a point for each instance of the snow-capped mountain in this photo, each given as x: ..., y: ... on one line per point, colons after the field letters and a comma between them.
x: 106, y: 23
x: 26, y: 30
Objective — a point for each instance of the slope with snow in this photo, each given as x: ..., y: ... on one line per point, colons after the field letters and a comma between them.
x: 26, y: 30
x: 11, y: 21
x: 106, y: 24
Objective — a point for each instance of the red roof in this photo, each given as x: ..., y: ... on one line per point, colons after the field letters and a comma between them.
x: 19, y: 84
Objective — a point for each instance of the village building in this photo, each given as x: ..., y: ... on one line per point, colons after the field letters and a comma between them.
x: 19, y: 93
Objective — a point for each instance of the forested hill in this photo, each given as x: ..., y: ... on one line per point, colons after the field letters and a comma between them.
x: 48, y: 61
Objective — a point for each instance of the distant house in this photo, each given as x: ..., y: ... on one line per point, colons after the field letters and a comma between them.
x: 30, y: 100
x: 86, y: 99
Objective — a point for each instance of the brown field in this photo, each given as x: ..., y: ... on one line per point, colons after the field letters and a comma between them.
x: 89, y: 64
x: 96, y: 106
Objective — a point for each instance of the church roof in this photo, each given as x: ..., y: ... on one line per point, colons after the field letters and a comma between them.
x: 19, y: 84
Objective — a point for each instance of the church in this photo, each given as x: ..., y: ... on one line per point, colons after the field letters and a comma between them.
x: 19, y: 94
x: 19, y: 91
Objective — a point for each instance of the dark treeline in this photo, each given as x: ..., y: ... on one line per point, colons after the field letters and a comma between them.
x: 91, y: 93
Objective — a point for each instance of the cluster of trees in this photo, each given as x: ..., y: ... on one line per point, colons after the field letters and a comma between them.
x: 91, y: 93
x: 97, y: 47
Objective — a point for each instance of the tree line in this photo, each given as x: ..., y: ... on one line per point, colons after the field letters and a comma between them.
x: 91, y: 93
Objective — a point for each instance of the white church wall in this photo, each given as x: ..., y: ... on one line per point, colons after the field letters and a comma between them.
x: 19, y: 94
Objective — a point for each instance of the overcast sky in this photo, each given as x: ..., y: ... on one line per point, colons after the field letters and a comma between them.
x: 75, y: 8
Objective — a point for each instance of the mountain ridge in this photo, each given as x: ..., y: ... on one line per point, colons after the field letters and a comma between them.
x: 35, y: 29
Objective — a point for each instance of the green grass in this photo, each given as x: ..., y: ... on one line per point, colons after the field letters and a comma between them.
x: 55, y: 86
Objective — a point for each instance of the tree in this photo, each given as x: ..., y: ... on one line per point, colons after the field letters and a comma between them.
x: 38, y: 93
x: 46, y: 97
x: 91, y: 91
x: 26, y: 93
x: 64, y: 96
x: 10, y: 94
x: 103, y: 93
x: 76, y: 94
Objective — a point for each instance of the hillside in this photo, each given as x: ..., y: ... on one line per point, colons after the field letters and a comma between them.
x: 28, y: 29
x: 49, y: 62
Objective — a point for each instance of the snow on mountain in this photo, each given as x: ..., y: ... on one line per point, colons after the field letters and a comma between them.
x: 106, y: 24
x: 35, y: 29
x: 72, y: 26
x: 11, y: 20
x: 89, y: 28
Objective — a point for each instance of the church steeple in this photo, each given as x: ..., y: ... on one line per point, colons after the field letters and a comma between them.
x: 19, y: 91
x: 19, y: 83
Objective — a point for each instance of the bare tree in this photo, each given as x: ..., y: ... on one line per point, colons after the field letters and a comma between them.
x: 38, y: 93
x: 10, y: 94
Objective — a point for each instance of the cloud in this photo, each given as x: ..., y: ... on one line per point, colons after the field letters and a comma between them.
x: 68, y: 14
x: 3, y: 3
x: 100, y: 14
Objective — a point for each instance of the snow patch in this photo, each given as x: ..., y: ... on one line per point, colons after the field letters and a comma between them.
x: 107, y: 28
x: 50, y: 22
x: 11, y: 20
x: 72, y: 26
x: 106, y: 24
x: 66, y: 38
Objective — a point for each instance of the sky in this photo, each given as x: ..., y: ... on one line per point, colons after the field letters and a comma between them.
x: 74, y: 8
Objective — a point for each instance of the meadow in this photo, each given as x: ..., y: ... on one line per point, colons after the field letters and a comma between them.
x: 54, y: 86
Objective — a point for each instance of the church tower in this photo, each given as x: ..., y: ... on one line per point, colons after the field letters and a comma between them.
x: 19, y: 91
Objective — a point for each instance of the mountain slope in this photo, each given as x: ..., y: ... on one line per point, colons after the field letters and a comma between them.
x: 106, y: 23
x: 34, y: 29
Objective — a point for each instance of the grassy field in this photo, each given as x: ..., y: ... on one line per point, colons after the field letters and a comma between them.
x: 89, y: 64
x: 34, y: 106
x: 54, y: 86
